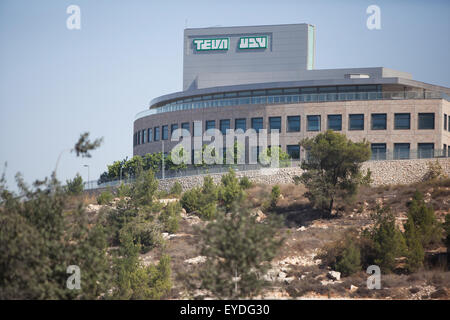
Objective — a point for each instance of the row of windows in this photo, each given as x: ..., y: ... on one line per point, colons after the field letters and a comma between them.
x: 403, y: 151
x: 446, y: 122
x: 402, y: 121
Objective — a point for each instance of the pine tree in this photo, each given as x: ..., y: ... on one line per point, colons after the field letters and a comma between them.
x: 415, y: 253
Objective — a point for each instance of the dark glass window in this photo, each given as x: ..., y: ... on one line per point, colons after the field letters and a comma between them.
x: 379, y: 121
x: 378, y: 151
x: 165, y: 132
x: 401, y: 150
x: 224, y: 125
x: 275, y: 123
x: 313, y: 123
x: 257, y: 124
x: 335, y: 122
x: 144, y: 136
x: 134, y: 139
x: 293, y: 123
x: 293, y: 151
x: 185, y: 125
x: 150, y: 135
x: 210, y: 124
x: 426, y: 120
x: 402, y: 121
x: 425, y: 150
x: 157, y: 136
x: 445, y: 122
x: 356, y: 122
x: 240, y: 124
x: 173, y: 127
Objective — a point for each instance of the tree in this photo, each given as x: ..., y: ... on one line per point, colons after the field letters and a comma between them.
x: 274, y: 196
x: 387, y: 240
x: 176, y: 189
x: 332, y: 168
x: 415, y: 253
x: 143, y: 190
x: 40, y: 239
x: 75, y: 186
x: 446, y: 227
x: 170, y: 217
x: 135, y: 281
x: 428, y: 229
x: 230, y: 191
x: 238, y: 251
x: 202, y: 201
x: 283, y: 157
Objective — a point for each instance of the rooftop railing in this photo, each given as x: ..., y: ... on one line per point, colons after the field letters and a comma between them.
x: 293, y: 98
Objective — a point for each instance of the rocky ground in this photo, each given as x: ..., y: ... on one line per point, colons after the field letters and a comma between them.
x: 297, y: 272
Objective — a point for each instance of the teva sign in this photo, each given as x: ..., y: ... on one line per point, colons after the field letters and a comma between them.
x: 212, y: 44
x: 224, y: 43
x: 253, y: 42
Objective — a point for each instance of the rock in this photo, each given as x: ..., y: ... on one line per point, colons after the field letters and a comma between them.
x: 165, y: 235
x: 353, y: 288
x: 282, y: 275
x: 196, y: 260
x: 334, y: 275
x: 302, y: 228
x: 289, y: 279
x: 260, y: 216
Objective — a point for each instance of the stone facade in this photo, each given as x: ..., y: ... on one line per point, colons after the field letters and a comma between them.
x: 383, y: 173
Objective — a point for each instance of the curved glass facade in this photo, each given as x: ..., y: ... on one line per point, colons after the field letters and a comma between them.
x: 286, y: 96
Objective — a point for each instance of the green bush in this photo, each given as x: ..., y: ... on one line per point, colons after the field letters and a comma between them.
x: 274, y: 196
x: 75, y: 186
x: 105, y: 198
x: 428, y: 229
x: 146, y: 233
x: 245, y: 183
x: 343, y: 255
x: 201, y: 201
x: 230, y: 192
x: 124, y: 190
x: 170, y: 217
x: 176, y: 189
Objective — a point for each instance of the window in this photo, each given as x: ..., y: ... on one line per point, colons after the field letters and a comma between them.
x: 356, y: 122
x: 293, y: 151
x: 144, y: 136
x: 134, y: 139
x: 313, y: 123
x: 275, y: 123
x: 379, y: 121
x: 150, y: 135
x: 425, y: 150
x: 257, y: 124
x: 197, y: 125
x: 173, y: 127
x: 402, y: 121
x: 444, y: 151
x: 426, y: 120
x: 156, y: 133
x: 165, y: 132
x: 335, y: 122
x: 240, y: 124
x: 224, y: 125
x: 293, y: 123
x: 401, y: 150
x: 445, y: 122
x: 378, y: 151
x: 185, y: 125
x: 210, y: 124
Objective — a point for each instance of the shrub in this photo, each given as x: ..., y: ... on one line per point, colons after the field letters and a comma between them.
x: 230, y: 192
x: 75, y: 186
x: 202, y: 201
x: 145, y: 233
x: 176, y: 189
x: 170, y: 217
x: 274, y: 196
x: 105, y: 198
x: 434, y: 172
x: 238, y: 252
x: 415, y: 253
x: 245, y: 183
x: 124, y: 190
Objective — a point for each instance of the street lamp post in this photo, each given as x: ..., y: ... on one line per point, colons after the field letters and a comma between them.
x: 88, y: 182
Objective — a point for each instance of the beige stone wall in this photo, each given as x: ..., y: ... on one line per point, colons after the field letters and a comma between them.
x: 383, y: 172
x: 388, y: 136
